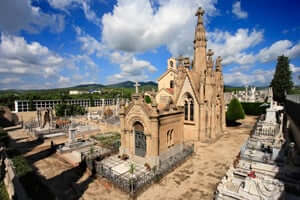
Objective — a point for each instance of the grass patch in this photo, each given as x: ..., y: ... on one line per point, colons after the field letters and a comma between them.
x: 3, y: 192
x: 31, y: 182
x: 21, y: 165
x: 28, y: 177
x: 110, y: 139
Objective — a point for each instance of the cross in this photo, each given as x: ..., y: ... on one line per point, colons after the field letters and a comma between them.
x: 137, y: 87
x: 200, y: 12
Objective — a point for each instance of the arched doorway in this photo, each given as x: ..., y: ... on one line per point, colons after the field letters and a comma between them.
x: 140, y: 139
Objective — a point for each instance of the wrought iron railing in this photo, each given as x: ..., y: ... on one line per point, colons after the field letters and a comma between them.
x: 135, y: 184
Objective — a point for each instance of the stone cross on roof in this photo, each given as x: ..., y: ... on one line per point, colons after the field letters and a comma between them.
x: 200, y: 12
x: 137, y: 87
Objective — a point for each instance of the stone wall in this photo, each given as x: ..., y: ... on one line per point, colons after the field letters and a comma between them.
x: 292, y: 108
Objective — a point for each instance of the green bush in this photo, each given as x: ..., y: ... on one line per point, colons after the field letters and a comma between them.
x: 235, y: 111
x: 147, y: 99
x: 253, y: 108
x: 3, y: 192
x: 69, y: 110
x: 21, y: 165
x: 31, y: 181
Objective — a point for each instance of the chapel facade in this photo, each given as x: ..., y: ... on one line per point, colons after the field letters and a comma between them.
x: 189, y: 106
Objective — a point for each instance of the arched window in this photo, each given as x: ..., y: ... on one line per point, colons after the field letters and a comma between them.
x: 192, y: 111
x: 138, y: 127
x: 171, y: 64
x: 186, y: 110
x: 140, y: 139
x: 171, y: 84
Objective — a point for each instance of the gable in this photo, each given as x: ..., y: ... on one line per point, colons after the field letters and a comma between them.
x: 137, y: 110
x: 164, y: 80
x: 186, y: 88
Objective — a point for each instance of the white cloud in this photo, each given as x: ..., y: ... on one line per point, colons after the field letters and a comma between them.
x: 9, y: 80
x: 63, y: 80
x: 16, y: 15
x: 236, y: 9
x: 85, y: 5
x: 19, y: 57
x: 272, y: 52
x: 281, y: 47
x: 232, y: 46
x: 131, y: 68
x: 137, y: 26
x: 35, y: 66
x: 294, y: 69
x: 89, y: 44
x: 256, y: 77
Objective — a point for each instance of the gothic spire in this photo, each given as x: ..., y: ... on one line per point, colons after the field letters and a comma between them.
x: 200, y: 44
x: 200, y: 30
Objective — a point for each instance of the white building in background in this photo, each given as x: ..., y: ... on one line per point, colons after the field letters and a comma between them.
x: 26, y: 105
x: 76, y: 92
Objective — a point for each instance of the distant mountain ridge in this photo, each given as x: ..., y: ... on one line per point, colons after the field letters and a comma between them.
x: 128, y: 84
x: 125, y: 84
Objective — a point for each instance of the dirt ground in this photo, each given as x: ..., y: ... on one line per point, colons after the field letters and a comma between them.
x: 197, y: 178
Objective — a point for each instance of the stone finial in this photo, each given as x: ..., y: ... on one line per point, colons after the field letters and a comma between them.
x: 210, y: 53
x: 186, y: 62
x: 200, y: 12
x: 219, y: 63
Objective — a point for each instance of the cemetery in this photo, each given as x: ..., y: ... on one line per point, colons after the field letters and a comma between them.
x: 139, y: 100
x: 263, y: 168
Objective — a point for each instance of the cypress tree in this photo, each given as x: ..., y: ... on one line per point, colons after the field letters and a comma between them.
x: 235, y: 111
x: 282, y: 79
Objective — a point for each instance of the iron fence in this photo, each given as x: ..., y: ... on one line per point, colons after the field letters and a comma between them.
x: 135, y: 183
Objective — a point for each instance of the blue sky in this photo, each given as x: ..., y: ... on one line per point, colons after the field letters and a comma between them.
x: 60, y: 43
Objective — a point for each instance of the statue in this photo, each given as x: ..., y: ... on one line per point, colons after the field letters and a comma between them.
x: 218, y: 63
x: 210, y: 64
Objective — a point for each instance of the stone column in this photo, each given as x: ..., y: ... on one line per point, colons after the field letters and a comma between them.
x: 123, y: 131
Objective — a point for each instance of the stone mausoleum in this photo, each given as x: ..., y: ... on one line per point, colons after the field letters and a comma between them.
x: 189, y: 106
x: 149, y: 134
x: 197, y: 86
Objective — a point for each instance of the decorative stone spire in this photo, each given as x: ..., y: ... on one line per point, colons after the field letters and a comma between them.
x: 200, y: 44
x: 200, y: 30
x: 219, y: 64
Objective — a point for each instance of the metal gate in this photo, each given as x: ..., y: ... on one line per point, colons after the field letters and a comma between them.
x: 140, y: 143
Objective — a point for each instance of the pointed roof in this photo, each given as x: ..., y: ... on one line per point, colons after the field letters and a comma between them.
x: 193, y: 84
x: 164, y: 74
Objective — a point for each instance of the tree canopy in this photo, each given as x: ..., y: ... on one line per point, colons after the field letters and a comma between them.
x: 282, y: 80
